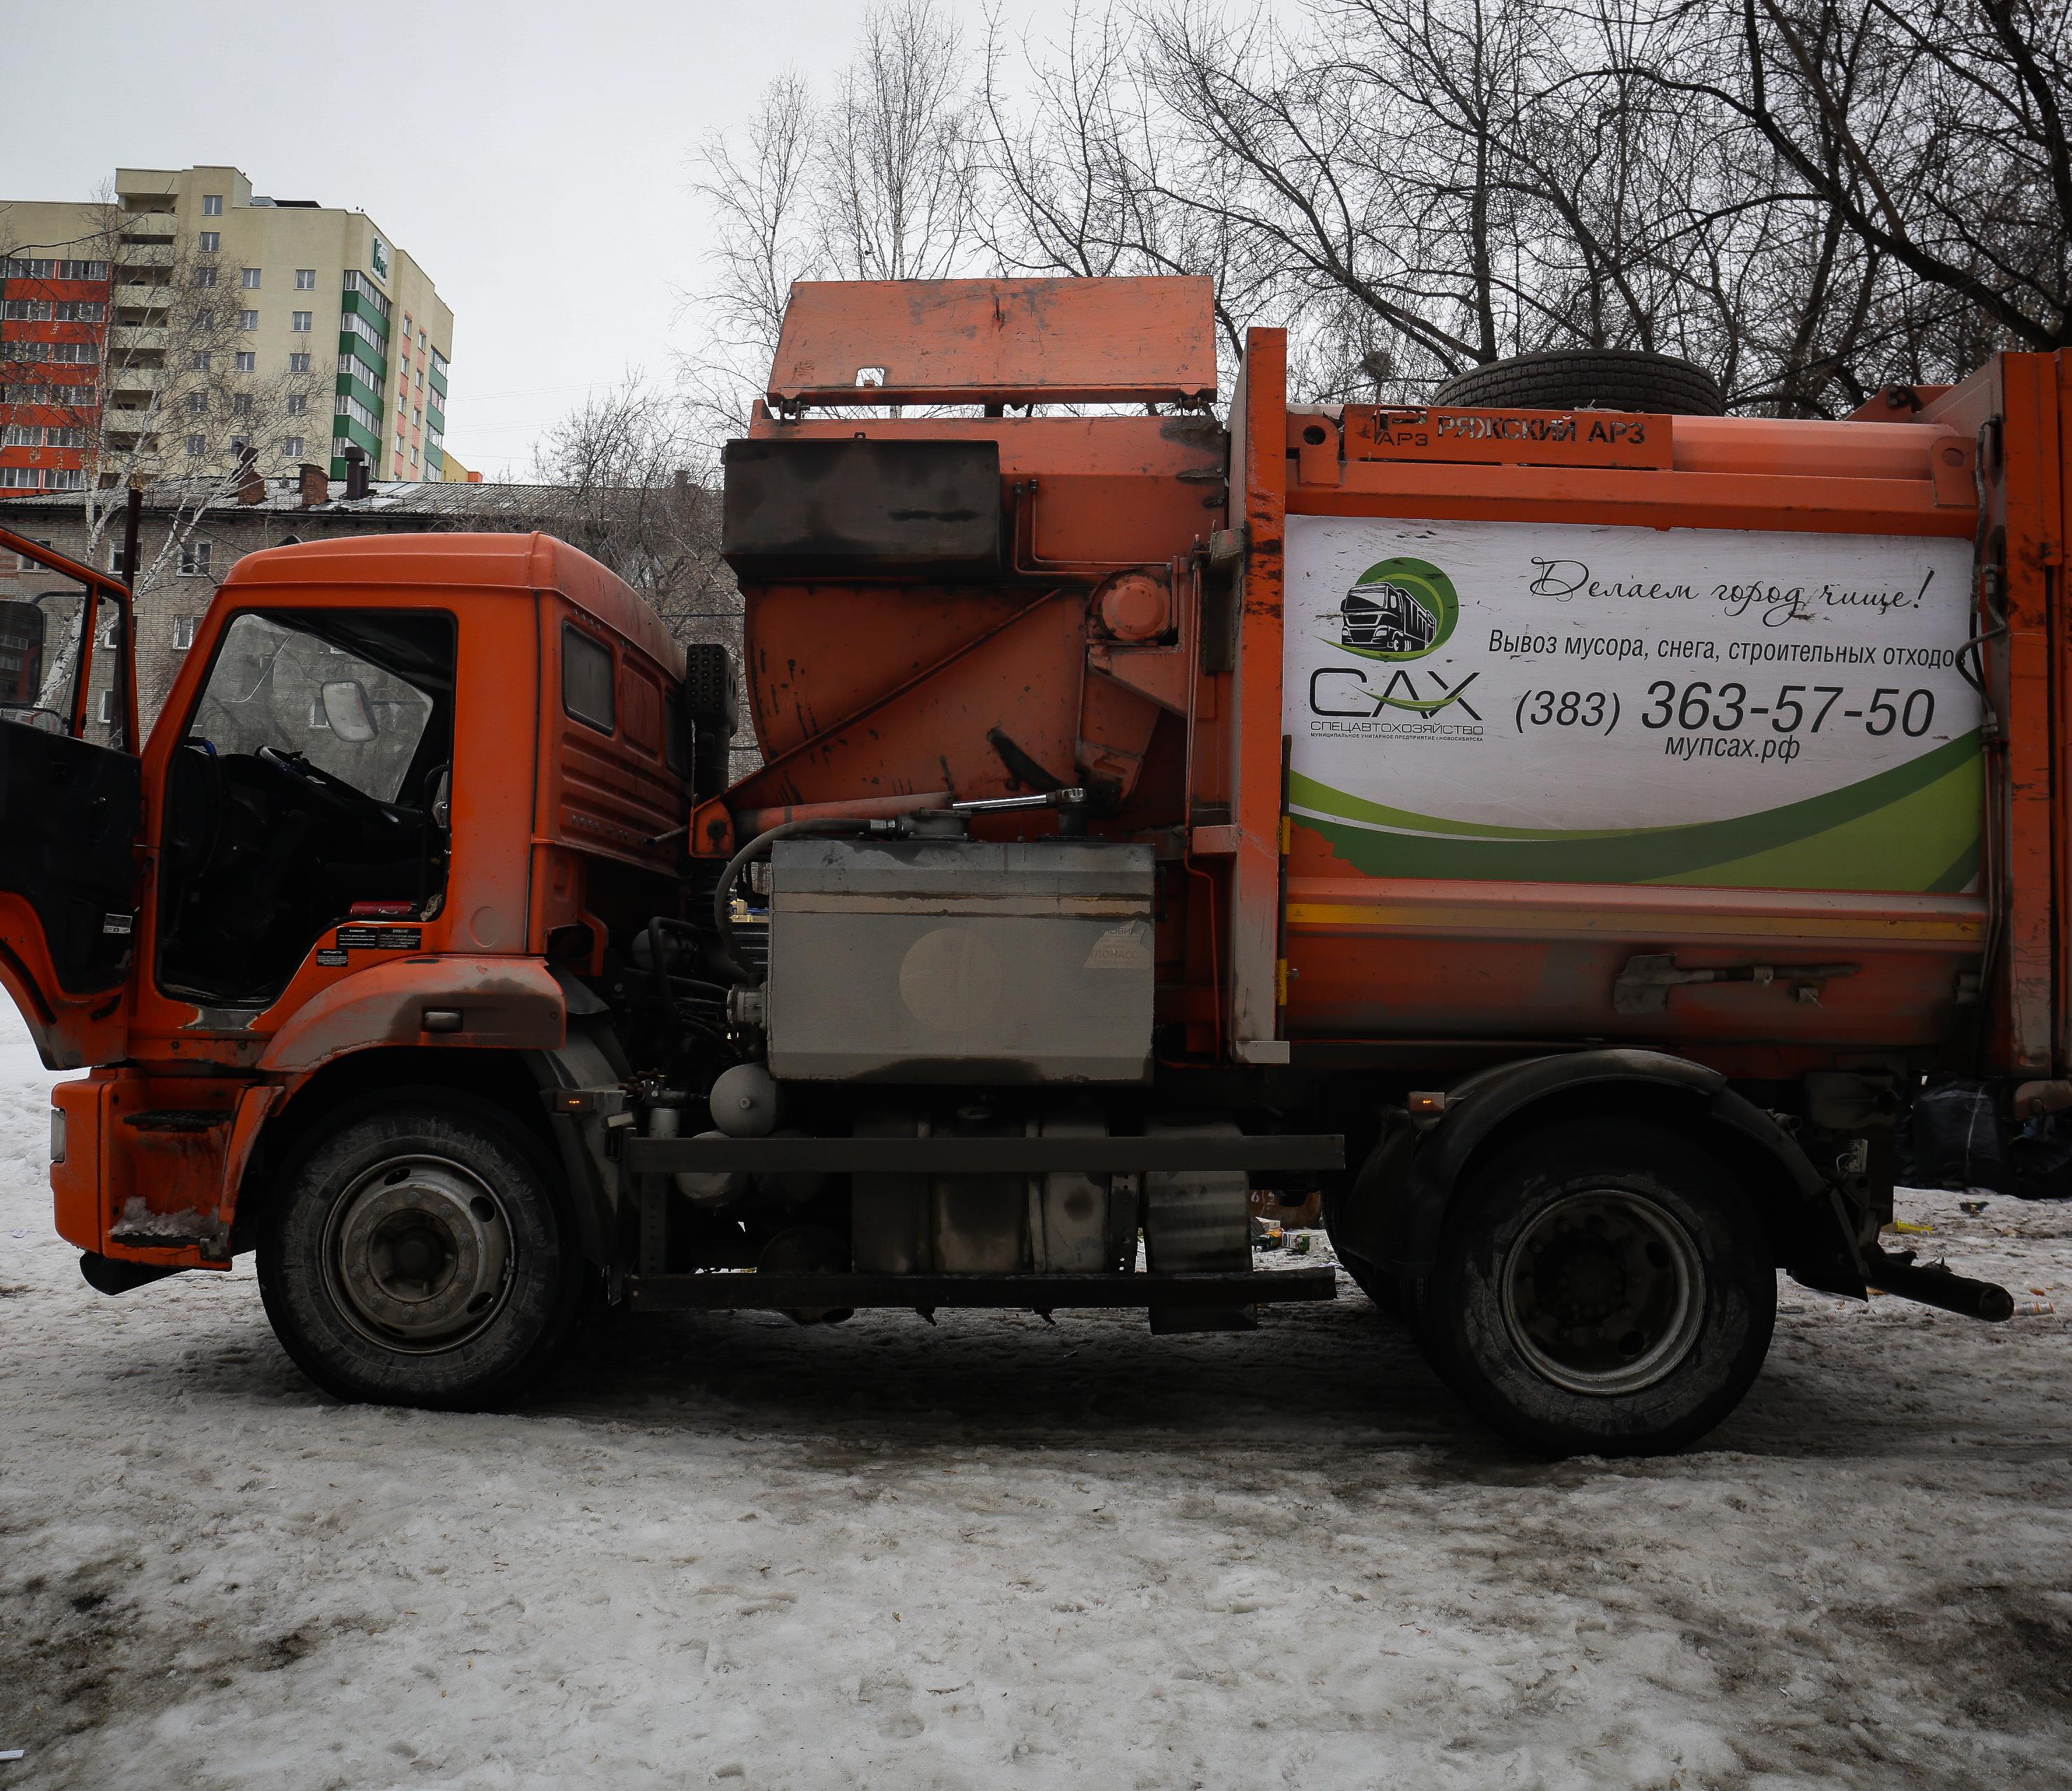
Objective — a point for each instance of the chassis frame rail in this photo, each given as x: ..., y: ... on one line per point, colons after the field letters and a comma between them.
x: 742, y: 1290
x: 953, y: 1155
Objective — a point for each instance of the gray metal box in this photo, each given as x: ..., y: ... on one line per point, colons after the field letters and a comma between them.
x: 956, y: 960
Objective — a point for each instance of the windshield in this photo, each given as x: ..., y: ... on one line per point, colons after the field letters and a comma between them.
x: 278, y: 684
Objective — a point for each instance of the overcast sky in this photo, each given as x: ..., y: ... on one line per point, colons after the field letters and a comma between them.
x: 532, y: 154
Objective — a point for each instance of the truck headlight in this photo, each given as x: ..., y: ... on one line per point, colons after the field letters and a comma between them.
x: 57, y: 1134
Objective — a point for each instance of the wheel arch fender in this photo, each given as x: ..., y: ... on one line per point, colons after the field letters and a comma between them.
x: 520, y: 1082
x: 1392, y: 1214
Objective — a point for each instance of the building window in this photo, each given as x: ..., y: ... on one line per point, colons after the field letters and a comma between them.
x: 211, y: 240
x: 251, y: 279
x: 26, y: 311
x: 240, y: 405
x: 357, y: 281
x: 351, y: 407
x: 204, y: 318
x: 111, y: 636
x: 194, y: 558
x: 352, y: 323
x: 204, y: 276
x: 291, y: 446
x: 107, y: 708
x: 300, y: 322
x: 18, y: 479
x: 115, y: 562
x: 197, y: 402
x: 55, y: 481
x: 78, y: 354
x: 37, y: 267
x: 305, y: 279
x: 183, y: 633
x: 23, y: 563
x: 198, y: 361
x: 247, y: 362
x: 248, y: 320
x: 239, y: 444
x: 297, y: 403
x: 21, y: 435
x: 80, y: 310
x: 299, y: 363
x: 195, y: 447
x: 212, y: 205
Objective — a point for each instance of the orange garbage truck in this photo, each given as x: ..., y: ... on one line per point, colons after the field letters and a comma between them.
x: 1566, y: 827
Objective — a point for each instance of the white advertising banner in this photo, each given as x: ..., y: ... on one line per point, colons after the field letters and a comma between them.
x: 1571, y: 703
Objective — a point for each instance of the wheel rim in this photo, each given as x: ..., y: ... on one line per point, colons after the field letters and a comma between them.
x: 1603, y: 1293
x: 418, y: 1254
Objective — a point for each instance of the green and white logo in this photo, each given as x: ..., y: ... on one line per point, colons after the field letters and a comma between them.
x: 1398, y: 609
x: 379, y: 260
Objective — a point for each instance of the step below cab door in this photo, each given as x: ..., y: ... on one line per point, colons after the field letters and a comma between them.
x: 71, y: 804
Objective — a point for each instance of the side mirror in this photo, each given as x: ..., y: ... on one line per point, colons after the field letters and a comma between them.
x: 348, y: 712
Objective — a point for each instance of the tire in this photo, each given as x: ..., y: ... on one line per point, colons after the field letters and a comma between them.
x: 422, y: 1253
x: 1382, y: 1287
x: 1600, y: 1289
x: 1596, y: 379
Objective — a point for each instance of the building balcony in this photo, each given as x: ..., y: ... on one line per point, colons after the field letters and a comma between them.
x: 134, y: 385
x: 132, y: 258
x: 127, y: 340
x: 150, y: 226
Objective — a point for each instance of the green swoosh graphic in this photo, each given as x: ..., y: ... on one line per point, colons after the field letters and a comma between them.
x: 1914, y: 826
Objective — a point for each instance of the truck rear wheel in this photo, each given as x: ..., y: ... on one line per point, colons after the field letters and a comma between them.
x: 420, y: 1255
x: 1600, y: 1289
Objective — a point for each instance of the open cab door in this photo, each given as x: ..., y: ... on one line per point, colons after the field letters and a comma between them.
x: 71, y: 808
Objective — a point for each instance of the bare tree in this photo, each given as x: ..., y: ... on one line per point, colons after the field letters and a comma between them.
x: 893, y: 188
x: 875, y: 180
x: 1933, y: 134
x: 756, y: 191
x: 1807, y: 196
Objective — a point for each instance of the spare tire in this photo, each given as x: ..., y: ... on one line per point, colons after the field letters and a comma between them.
x: 1592, y: 379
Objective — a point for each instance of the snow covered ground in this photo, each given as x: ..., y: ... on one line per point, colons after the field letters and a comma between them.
x: 725, y: 1550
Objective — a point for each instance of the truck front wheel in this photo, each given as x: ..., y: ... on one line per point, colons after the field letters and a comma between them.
x: 418, y: 1255
x: 1600, y: 1289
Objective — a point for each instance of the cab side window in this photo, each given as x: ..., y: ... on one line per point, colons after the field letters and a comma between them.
x: 586, y: 679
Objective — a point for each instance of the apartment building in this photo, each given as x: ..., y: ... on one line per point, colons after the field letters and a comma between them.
x: 186, y: 323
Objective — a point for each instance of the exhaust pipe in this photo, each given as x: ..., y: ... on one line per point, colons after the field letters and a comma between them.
x: 1895, y: 1272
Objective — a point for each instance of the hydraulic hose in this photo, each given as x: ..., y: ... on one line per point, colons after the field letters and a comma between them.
x: 723, y: 895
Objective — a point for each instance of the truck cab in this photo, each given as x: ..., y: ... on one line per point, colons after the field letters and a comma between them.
x: 400, y: 796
